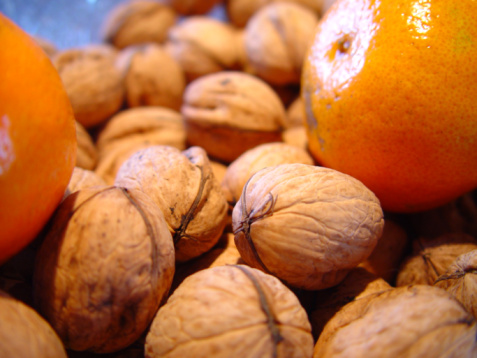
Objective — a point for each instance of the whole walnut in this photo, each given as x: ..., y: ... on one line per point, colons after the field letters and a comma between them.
x: 203, y: 45
x: 192, y: 7
x: 229, y: 112
x: 183, y: 185
x: 103, y: 269
x: 230, y: 311
x: 95, y: 86
x: 408, y: 321
x: 137, y: 22
x: 152, y: 77
x: 296, y: 136
x: 305, y: 224
x: 86, y: 154
x: 81, y: 179
x: 431, y: 257
x: 24, y: 333
x: 277, y: 38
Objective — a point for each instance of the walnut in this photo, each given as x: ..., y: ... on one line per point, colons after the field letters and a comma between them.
x: 296, y: 115
x: 431, y: 257
x: 296, y: 136
x: 219, y: 169
x: 152, y: 77
x: 409, y: 321
x: 277, y: 38
x: 94, y: 85
x: 86, y: 154
x: 229, y: 112
x: 230, y: 311
x: 106, y: 263
x: 133, y: 129
x: 183, y: 185
x: 203, y: 45
x: 137, y: 22
x: 305, y: 224
x: 250, y: 162
x: 81, y: 179
x: 460, y: 280
x: 24, y: 333
x: 192, y: 7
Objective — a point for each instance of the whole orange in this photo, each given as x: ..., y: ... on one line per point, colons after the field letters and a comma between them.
x: 390, y: 91
x: 37, y: 139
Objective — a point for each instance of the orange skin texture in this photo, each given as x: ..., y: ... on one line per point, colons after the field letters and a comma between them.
x: 37, y: 139
x: 390, y: 91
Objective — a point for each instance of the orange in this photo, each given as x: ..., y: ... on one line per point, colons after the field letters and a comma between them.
x: 37, y: 139
x: 390, y: 91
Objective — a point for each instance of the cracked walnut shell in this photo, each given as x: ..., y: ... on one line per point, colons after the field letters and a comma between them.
x: 305, y: 224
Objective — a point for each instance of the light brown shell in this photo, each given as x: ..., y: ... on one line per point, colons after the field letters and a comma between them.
x: 137, y: 22
x: 192, y: 7
x: 82, y: 179
x: 228, y: 113
x: 94, y: 84
x: 103, y: 269
x: 183, y: 185
x: 250, y: 162
x: 296, y: 116
x: 296, y: 136
x: 230, y: 311
x: 415, y: 321
x: 277, y: 38
x: 203, y: 45
x: 431, y: 257
x: 305, y: 224
x: 86, y: 154
x: 460, y: 280
x: 24, y: 333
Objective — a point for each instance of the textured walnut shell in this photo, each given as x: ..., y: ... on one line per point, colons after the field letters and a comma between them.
x: 137, y: 22
x: 460, y: 280
x: 203, y: 45
x: 416, y: 321
x: 250, y: 162
x: 230, y: 112
x: 86, y: 154
x: 305, y: 224
x: 192, y: 7
x: 82, y: 179
x: 183, y: 185
x: 152, y: 77
x: 24, y: 333
x: 103, y: 269
x: 230, y: 311
x: 277, y: 38
x: 431, y: 257
x: 94, y: 84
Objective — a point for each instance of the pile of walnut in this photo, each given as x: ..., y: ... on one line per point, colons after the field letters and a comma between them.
x: 196, y: 223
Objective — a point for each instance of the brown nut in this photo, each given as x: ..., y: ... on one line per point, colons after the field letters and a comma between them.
x: 410, y: 321
x: 94, y: 85
x: 192, y: 7
x: 24, y: 333
x: 86, y: 154
x: 296, y: 115
x: 296, y: 136
x: 152, y: 77
x: 460, y: 280
x: 230, y: 311
x: 229, y: 112
x: 137, y: 22
x: 250, y: 162
x: 81, y: 179
x: 277, y: 38
x: 183, y: 185
x: 203, y: 45
x: 103, y: 269
x: 431, y: 257
x: 305, y: 224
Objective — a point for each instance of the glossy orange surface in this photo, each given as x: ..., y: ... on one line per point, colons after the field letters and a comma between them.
x: 37, y: 139
x: 390, y: 89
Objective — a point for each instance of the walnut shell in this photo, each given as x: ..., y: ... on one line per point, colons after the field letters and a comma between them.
x: 296, y: 116
x: 415, y: 321
x: 192, y: 7
x: 277, y: 38
x: 94, y: 84
x: 81, y: 179
x: 103, y: 269
x: 229, y: 112
x: 152, y: 77
x: 431, y: 257
x: 250, y: 162
x: 230, y: 311
x: 460, y: 280
x: 296, y: 136
x: 203, y: 45
x: 305, y: 224
x: 137, y: 22
x: 86, y: 154
x: 24, y: 333
x: 183, y: 185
